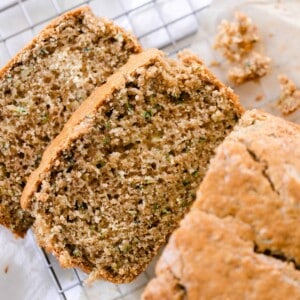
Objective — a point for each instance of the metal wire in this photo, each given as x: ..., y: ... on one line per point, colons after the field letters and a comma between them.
x: 173, y: 45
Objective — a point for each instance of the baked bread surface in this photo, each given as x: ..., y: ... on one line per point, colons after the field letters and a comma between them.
x: 255, y: 179
x: 212, y: 258
x: 241, y: 237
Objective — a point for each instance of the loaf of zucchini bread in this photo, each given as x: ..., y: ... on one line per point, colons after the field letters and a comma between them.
x: 255, y: 178
x: 241, y: 238
x: 116, y: 181
x: 42, y: 86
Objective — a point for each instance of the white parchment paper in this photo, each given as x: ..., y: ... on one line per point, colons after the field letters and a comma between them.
x: 23, y: 275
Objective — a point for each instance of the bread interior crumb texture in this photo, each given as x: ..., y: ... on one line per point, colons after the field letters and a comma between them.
x: 42, y: 87
x: 111, y: 198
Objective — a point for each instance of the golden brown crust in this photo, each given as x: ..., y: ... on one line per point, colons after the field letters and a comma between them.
x: 252, y: 188
x: 260, y: 162
x: 71, y: 130
x: 209, y: 258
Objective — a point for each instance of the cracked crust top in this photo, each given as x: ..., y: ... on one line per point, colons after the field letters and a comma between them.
x: 75, y: 126
x: 211, y: 258
x: 255, y: 177
x: 253, y: 182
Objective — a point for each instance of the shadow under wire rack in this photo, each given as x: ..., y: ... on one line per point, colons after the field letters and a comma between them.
x: 169, y: 25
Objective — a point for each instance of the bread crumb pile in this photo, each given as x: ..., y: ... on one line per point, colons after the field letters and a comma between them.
x: 236, y: 39
x: 238, y: 42
x: 254, y: 66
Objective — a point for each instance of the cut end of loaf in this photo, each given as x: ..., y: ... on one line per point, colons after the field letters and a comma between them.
x: 120, y: 176
x: 42, y: 86
x: 262, y: 188
x: 242, y: 231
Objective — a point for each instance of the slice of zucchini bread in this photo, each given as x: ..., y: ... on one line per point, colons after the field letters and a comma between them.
x: 255, y: 178
x: 212, y: 258
x: 116, y: 181
x: 42, y: 86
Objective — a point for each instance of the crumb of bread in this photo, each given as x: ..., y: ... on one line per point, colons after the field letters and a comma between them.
x: 289, y: 99
x: 259, y: 97
x: 236, y: 39
x: 6, y: 269
x: 252, y: 67
x: 214, y: 63
x: 242, y: 229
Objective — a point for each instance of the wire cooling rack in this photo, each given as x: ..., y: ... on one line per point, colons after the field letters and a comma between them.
x: 165, y: 24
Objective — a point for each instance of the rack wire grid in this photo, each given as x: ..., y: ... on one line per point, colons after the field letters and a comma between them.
x: 169, y: 25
